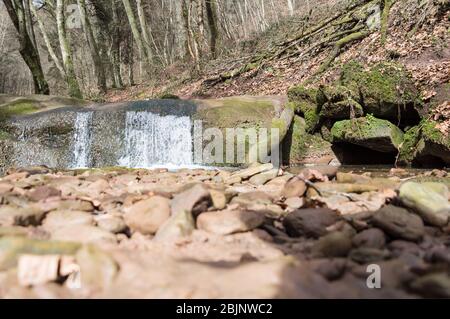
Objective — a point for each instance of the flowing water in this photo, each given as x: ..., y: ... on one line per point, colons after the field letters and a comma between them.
x: 81, y: 147
x: 152, y: 140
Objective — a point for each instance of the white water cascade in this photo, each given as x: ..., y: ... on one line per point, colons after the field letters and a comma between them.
x: 152, y: 140
x: 81, y: 146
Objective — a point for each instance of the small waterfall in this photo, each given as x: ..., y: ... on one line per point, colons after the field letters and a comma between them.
x: 153, y: 140
x: 82, y: 140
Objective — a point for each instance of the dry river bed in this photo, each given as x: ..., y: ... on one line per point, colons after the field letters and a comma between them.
x: 254, y: 233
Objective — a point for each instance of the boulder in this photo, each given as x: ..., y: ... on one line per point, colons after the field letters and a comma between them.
x: 304, y: 101
x: 425, y: 145
x: 229, y: 222
x: 386, y: 90
x: 370, y: 238
x: 429, y: 200
x: 335, y: 244
x: 148, y: 215
x: 399, y: 223
x: 309, y: 222
x: 65, y: 218
x: 301, y: 147
x: 83, y: 234
x: 369, y: 132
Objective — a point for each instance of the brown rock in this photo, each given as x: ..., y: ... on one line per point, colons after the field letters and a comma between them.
x: 370, y: 238
x: 229, y: 222
x: 43, y: 192
x: 399, y: 223
x: 64, y: 218
x: 295, y: 202
x: 219, y: 199
x: 113, y: 224
x: 336, y: 244
x: 294, y: 188
x: 187, y: 200
x: 83, y: 234
x: 309, y: 222
x: 148, y: 215
x: 15, y: 216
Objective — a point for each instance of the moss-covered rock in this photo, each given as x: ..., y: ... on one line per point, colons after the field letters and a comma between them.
x: 305, y: 104
x: 369, y: 132
x: 243, y: 112
x: 424, y: 144
x: 386, y: 90
x: 301, y: 147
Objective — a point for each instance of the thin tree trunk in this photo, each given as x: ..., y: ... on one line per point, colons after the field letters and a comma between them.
x: 48, y: 44
x: 71, y: 79
x: 99, y: 69
x: 27, y: 50
x: 115, y: 51
x: 137, y: 36
x: 212, y: 23
x: 144, y: 29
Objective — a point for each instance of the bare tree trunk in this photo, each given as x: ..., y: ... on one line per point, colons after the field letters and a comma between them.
x: 27, y: 50
x: 144, y: 29
x: 48, y: 44
x: 71, y: 79
x: 187, y: 29
x: 115, y: 50
x: 137, y: 36
x: 212, y: 23
x: 99, y: 69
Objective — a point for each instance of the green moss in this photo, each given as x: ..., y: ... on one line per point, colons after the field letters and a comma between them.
x: 409, y: 145
x: 382, y: 88
x: 368, y: 131
x: 431, y: 133
x: 4, y: 135
x: 168, y: 96
x: 300, y: 93
x: 21, y: 107
x: 304, y: 144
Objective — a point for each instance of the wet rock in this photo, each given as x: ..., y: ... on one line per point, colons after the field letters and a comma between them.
x: 252, y: 170
x: 398, y: 247
x: 294, y: 188
x: 335, y: 244
x: 59, y: 218
x: 43, y: 192
x: 433, y: 285
x: 309, y: 222
x: 399, y: 223
x: 83, y: 234
x: 262, y: 178
x: 148, y: 215
x: 429, y: 200
x: 370, y: 238
x: 229, y: 222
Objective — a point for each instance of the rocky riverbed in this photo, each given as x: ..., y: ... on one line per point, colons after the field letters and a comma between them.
x: 258, y: 232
